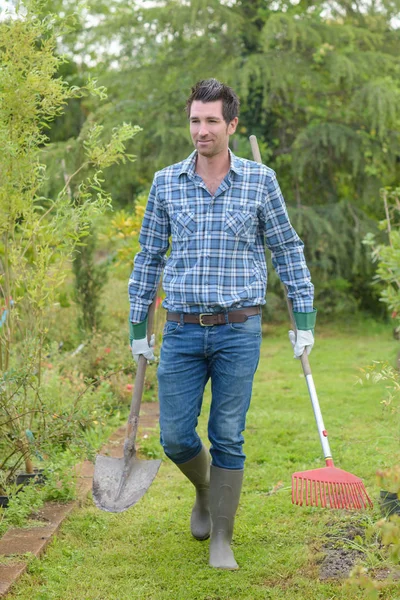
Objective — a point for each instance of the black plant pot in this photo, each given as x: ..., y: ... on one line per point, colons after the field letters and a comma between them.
x: 390, y: 503
x: 4, y: 501
x: 37, y: 477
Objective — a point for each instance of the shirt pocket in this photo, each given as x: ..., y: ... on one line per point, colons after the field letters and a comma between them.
x: 183, y: 224
x: 240, y: 224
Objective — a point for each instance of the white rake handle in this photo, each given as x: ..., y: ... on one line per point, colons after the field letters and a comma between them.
x: 323, y: 435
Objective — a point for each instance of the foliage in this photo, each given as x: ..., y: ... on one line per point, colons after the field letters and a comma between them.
x: 38, y: 235
x: 124, y: 230
x: 386, y: 558
x: 387, y: 255
x: 21, y: 506
x: 90, y: 278
x: 338, y: 261
x: 383, y: 372
x: 318, y: 86
x: 387, y: 530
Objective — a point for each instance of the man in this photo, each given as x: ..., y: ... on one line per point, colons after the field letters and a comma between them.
x: 220, y: 211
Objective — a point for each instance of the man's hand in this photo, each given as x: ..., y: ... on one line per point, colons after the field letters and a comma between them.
x: 143, y: 347
x: 138, y: 341
x: 303, y: 341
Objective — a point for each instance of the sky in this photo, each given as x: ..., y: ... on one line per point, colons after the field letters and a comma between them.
x: 8, y: 5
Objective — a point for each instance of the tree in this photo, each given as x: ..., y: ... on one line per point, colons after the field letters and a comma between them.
x: 387, y: 254
x: 38, y: 235
x: 319, y: 86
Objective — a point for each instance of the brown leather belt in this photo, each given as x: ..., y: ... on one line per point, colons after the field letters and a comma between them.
x: 207, y: 319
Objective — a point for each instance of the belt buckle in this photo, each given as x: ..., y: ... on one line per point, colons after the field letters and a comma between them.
x: 201, y: 315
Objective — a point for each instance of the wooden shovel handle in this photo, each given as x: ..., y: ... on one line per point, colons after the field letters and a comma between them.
x: 133, y: 419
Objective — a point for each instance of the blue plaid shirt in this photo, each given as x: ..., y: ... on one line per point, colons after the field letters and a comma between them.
x: 217, y: 258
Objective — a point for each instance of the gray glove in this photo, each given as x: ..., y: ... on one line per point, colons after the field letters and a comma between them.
x: 143, y: 347
x: 303, y: 341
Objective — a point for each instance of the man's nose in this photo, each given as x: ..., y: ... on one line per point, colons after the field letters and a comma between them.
x: 203, y: 130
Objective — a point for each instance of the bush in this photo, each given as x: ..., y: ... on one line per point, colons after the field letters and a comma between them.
x: 39, y: 236
x: 387, y: 258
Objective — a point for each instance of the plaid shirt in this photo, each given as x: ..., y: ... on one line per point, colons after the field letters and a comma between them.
x: 217, y: 259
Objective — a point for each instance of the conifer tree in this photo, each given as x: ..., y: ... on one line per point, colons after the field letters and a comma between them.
x: 319, y: 86
x: 318, y: 81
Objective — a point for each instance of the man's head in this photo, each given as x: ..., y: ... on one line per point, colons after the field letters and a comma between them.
x: 211, y: 90
x: 212, y: 109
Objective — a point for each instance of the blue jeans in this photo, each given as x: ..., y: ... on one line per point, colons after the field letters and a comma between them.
x: 190, y: 356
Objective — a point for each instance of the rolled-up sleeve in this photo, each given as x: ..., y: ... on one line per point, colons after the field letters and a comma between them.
x: 150, y: 261
x: 286, y: 248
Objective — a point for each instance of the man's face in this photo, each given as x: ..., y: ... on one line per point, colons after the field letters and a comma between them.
x: 210, y: 133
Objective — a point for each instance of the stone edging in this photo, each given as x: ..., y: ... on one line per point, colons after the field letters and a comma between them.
x: 20, y: 541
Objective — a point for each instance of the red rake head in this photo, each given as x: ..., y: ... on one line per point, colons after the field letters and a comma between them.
x: 330, y: 487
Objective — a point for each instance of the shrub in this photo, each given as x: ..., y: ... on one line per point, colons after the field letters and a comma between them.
x: 38, y: 235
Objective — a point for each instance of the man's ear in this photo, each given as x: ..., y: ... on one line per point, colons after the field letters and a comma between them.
x: 232, y: 126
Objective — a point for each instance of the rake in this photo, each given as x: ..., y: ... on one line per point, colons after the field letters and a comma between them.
x: 328, y: 486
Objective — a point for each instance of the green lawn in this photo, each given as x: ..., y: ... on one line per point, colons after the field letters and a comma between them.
x: 148, y: 552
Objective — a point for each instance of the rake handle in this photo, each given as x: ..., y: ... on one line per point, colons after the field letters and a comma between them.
x: 323, y: 435
x: 305, y: 363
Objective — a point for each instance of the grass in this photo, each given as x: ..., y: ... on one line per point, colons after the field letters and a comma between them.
x: 147, y: 553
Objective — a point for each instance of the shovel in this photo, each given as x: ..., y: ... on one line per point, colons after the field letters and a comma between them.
x: 118, y: 483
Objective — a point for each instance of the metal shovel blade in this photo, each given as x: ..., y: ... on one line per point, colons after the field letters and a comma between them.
x: 118, y: 483
x: 108, y: 474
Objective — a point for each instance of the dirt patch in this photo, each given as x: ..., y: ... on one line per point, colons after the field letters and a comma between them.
x: 339, y: 559
x: 386, y: 575
x: 338, y: 563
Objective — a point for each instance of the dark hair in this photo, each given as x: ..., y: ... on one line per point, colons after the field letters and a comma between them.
x: 210, y: 90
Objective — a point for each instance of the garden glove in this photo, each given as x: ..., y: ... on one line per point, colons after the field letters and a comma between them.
x: 138, y: 341
x: 143, y: 347
x: 303, y: 339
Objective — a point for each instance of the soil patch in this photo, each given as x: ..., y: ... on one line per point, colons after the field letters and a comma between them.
x: 339, y: 559
x: 386, y: 574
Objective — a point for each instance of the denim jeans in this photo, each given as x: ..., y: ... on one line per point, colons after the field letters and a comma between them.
x: 190, y: 356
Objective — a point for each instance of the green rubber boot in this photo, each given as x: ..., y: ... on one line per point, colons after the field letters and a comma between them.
x: 197, y: 471
x: 225, y: 488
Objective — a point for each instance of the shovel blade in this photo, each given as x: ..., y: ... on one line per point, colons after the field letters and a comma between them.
x: 108, y: 473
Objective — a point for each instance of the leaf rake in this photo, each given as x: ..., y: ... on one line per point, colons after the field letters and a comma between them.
x: 328, y: 486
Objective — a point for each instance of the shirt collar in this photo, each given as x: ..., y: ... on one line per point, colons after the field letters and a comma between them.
x: 189, y: 164
x: 236, y: 163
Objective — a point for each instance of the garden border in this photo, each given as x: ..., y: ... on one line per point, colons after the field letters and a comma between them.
x: 33, y: 540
